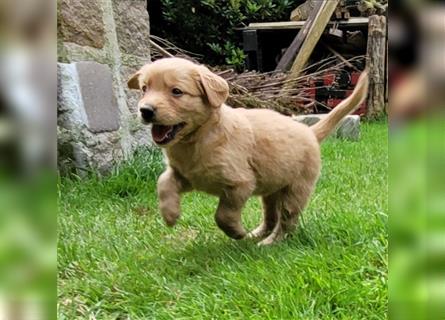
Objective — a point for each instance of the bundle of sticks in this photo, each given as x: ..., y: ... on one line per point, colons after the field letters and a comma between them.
x: 252, y: 89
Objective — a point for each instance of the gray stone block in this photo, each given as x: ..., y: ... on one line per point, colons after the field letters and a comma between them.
x: 97, y: 114
x: 348, y: 128
x: 99, y: 103
x: 132, y: 27
x: 81, y: 22
x: 79, y: 147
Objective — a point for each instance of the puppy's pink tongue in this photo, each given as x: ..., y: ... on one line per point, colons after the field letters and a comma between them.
x: 160, y: 132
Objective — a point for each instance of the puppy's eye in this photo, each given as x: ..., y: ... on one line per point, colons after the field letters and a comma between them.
x: 176, y: 92
x: 144, y: 88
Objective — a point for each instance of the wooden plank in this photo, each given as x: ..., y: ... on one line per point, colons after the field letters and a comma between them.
x: 286, y: 60
x: 276, y: 25
x: 320, y: 23
x: 376, y: 63
x: 355, y: 22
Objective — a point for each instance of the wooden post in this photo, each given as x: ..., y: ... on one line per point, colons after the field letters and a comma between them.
x: 289, y: 56
x: 376, y: 55
x: 318, y: 26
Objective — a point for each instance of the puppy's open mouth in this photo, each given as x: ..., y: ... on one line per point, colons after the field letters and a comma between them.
x: 164, y: 134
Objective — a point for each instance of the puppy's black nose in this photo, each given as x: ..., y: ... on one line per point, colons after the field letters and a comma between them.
x: 147, y: 112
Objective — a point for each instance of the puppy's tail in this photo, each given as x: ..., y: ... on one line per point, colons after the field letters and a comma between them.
x: 326, y: 125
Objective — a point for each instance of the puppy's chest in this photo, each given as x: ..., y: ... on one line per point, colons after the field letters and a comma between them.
x: 205, y: 173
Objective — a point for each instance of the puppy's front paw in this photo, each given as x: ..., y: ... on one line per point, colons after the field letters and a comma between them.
x: 169, y: 212
x: 170, y: 219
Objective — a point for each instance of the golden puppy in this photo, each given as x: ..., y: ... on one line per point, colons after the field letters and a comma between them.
x: 231, y: 153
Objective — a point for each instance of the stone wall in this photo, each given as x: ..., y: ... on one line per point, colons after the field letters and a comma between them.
x: 97, y: 126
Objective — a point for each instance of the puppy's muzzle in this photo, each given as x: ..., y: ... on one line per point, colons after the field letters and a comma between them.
x: 148, y: 112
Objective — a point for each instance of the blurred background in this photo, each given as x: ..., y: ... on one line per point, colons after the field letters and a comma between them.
x: 27, y: 159
x: 417, y: 159
x: 28, y: 179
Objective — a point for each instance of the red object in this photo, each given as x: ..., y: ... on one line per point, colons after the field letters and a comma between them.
x: 328, y: 79
x: 332, y: 103
x: 332, y: 88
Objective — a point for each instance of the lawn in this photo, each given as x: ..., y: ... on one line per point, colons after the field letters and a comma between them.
x: 117, y: 260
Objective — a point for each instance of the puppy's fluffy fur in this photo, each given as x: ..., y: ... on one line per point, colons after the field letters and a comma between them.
x: 232, y: 153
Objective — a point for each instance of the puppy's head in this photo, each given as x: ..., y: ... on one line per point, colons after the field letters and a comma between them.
x: 178, y: 97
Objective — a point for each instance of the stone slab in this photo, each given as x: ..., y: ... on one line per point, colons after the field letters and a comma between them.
x: 99, y: 102
x: 80, y: 148
x: 348, y: 128
x: 70, y: 112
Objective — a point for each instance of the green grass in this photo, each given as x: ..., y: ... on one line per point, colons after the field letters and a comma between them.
x: 117, y: 260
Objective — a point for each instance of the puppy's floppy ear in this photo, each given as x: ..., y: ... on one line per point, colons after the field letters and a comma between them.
x: 133, y: 82
x: 215, y: 87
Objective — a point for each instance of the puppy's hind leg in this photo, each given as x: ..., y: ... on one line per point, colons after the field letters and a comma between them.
x: 294, y: 200
x: 278, y: 231
x: 270, y: 217
x: 228, y: 214
x: 276, y: 235
x: 290, y: 201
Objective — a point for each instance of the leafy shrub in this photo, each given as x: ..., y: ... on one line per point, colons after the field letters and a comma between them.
x: 208, y: 26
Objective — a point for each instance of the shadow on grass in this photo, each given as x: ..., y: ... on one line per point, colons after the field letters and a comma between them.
x: 202, y: 255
